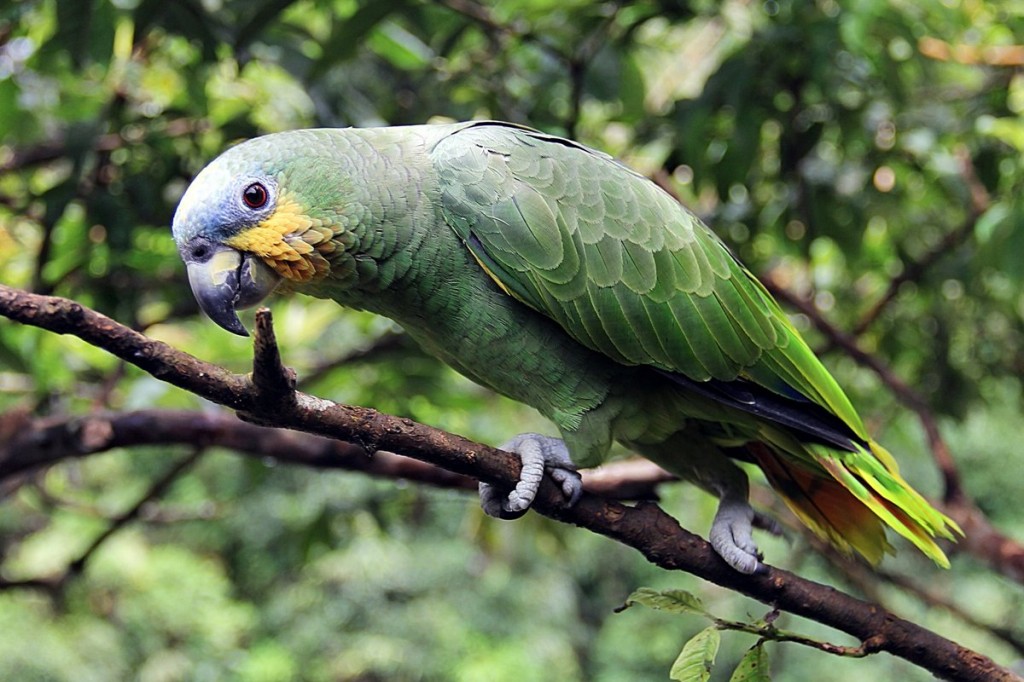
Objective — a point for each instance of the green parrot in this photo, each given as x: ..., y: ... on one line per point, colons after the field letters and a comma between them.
x: 554, y: 275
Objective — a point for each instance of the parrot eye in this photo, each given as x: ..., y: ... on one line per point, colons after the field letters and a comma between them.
x: 255, y: 195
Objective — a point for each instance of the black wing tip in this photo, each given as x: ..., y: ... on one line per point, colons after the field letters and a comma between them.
x: 800, y: 415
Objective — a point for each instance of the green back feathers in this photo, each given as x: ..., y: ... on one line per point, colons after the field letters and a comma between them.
x: 619, y: 264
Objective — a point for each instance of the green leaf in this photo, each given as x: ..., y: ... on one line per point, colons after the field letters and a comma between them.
x: 401, y: 48
x: 73, y: 29
x: 189, y: 18
x: 614, y: 75
x: 990, y: 221
x: 1009, y: 130
x: 259, y: 21
x: 697, y: 657
x: 673, y: 601
x: 348, y: 34
x: 632, y: 89
x: 753, y: 667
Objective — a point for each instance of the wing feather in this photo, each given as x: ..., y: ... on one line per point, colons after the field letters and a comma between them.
x: 620, y: 265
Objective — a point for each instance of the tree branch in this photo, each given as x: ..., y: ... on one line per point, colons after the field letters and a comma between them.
x: 645, y: 527
x: 43, y: 442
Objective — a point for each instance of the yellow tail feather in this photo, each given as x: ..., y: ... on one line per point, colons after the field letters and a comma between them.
x: 849, y: 500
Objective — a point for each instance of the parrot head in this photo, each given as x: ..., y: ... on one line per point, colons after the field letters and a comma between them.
x: 242, y: 231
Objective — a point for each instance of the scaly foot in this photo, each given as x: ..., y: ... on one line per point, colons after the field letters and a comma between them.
x: 731, y: 536
x: 538, y: 453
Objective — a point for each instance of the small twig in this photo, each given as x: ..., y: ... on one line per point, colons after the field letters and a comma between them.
x: 274, y: 383
x: 578, y: 63
x: 58, y: 148
x: 869, y: 579
x: 47, y: 225
x: 49, y: 585
x: 108, y: 386
x: 913, y: 271
x: 935, y: 598
x: 767, y: 631
x: 481, y: 15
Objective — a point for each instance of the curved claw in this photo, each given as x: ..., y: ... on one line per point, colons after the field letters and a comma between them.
x: 492, y: 501
x: 538, y: 454
x: 732, y: 536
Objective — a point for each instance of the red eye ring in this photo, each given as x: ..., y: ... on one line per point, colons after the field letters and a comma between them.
x: 255, y: 195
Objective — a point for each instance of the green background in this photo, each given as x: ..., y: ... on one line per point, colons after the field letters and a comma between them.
x: 837, y: 150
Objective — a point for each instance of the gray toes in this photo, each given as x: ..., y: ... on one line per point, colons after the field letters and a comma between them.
x: 538, y: 454
x: 732, y: 536
x: 571, y: 483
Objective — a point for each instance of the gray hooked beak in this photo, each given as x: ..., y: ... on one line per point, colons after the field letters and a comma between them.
x: 224, y: 280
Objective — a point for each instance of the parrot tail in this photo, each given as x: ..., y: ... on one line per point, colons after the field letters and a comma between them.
x: 849, y: 498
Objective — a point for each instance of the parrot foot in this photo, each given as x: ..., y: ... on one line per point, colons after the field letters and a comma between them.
x: 732, y: 536
x: 538, y: 453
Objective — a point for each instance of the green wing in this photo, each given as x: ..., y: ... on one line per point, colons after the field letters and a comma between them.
x: 619, y: 264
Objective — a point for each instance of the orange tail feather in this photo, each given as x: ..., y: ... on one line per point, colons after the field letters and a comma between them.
x: 824, y: 505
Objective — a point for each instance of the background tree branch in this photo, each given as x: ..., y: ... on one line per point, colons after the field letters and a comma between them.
x: 645, y: 527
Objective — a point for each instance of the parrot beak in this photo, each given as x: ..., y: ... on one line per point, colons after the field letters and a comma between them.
x: 224, y: 280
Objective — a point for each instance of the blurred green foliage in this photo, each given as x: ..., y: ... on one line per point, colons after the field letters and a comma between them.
x: 831, y: 147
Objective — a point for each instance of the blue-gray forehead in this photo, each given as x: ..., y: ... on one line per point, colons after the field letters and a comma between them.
x: 211, y: 205
x: 211, y: 201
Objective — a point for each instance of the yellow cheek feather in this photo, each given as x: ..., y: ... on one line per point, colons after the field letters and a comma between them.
x: 290, y: 242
